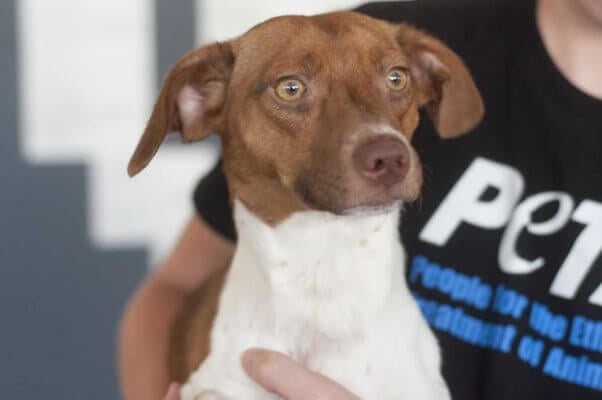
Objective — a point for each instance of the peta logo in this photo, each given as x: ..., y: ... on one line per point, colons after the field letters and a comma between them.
x: 464, y: 204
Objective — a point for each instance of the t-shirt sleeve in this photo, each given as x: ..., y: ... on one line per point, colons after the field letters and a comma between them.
x: 211, y: 202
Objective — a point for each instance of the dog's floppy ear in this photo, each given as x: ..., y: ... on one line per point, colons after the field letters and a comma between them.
x: 445, y: 88
x: 191, y: 101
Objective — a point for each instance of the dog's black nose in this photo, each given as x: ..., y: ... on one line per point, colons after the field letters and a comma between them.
x: 384, y: 160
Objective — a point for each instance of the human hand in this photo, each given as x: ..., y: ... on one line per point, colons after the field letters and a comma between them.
x: 279, y: 374
x: 173, y: 393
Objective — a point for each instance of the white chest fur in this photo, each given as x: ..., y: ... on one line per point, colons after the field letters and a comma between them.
x: 328, y: 291
x: 329, y: 272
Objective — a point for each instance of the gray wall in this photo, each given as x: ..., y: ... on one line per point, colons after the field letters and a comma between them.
x: 60, y: 298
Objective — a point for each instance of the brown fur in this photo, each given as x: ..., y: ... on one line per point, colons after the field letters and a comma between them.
x: 285, y: 156
x: 189, y: 341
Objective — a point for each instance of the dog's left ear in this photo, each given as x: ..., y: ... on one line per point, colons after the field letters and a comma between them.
x: 445, y: 88
x: 191, y: 101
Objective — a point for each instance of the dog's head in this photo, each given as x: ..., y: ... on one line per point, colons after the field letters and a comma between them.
x: 316, y: 112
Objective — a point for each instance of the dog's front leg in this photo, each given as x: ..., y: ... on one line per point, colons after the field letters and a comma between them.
x: 222, y: 387
x: 221, y: 377
x: 205, y: 395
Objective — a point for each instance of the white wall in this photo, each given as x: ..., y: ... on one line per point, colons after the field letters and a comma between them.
x: 219, y: 20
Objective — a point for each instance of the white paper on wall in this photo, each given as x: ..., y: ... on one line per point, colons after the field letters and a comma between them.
x: 221, y: 20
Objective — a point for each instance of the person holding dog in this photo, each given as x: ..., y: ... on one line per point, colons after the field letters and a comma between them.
x: 514, y: 213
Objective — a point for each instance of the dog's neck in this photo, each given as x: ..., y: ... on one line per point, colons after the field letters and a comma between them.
x: 313, y: 239
x: 345, y: 266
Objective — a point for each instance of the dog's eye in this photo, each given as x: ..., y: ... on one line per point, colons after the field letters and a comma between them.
x: 290, y: 89
x: 397, y: 79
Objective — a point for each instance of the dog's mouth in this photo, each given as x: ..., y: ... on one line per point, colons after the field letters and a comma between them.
x: 372, y: 210
x: 341, y: 200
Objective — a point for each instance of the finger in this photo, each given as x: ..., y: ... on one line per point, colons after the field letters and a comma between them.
x: 279, y: 374
x: 173, y: 393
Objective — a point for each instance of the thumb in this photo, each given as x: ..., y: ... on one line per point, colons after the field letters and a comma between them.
x: 279, y: 374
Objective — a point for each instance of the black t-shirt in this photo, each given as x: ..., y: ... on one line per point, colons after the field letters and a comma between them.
x: 505, y: 244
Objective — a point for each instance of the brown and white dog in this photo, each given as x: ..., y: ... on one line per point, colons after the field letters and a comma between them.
x: 316, y: 116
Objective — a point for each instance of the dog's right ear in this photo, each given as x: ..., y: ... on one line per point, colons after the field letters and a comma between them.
x: 191, y: 101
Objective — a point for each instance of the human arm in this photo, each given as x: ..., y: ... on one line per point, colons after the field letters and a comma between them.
x: 144, y: 331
